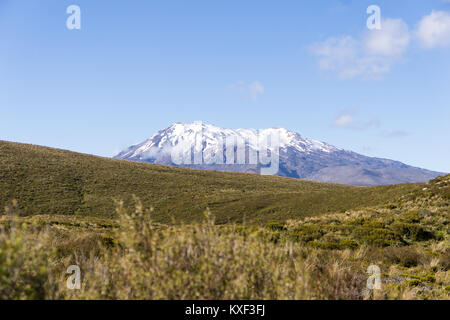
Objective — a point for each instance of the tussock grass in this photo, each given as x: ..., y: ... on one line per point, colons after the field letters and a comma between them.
x: 135, y: 258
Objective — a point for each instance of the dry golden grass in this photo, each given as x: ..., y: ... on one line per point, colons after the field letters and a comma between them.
x: 137, y: 259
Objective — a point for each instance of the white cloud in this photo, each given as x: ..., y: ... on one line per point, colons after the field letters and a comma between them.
x: 252, y: 90
x: 237, y: 85
x: 339, y: 55
x: 347, y: 120
x: 434, y: 29
x: 369, y: 56
x: 256, y: 89
x: 343, y: 121
x: 391, y: 41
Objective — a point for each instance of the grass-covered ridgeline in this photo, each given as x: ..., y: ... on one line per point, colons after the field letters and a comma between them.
x: 51, y: 181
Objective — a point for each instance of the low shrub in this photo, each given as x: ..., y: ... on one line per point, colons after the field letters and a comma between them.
x: 404, y: 256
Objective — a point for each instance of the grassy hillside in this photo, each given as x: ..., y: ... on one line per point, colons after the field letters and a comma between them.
x: 321, y: 247
x: 51, y: 181
x: 324, y: 257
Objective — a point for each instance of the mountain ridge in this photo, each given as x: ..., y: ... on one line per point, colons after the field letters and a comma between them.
x: 291, y: 156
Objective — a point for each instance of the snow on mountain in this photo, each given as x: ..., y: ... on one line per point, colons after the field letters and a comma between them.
x: 188, y: 135
x: 269, y: 151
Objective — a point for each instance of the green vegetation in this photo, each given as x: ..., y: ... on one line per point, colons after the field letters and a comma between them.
x: 286, y: 239
x: 132, y: 257
x: 50, y: 181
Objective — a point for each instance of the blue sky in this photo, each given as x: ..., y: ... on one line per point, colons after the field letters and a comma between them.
x: 313, y: 67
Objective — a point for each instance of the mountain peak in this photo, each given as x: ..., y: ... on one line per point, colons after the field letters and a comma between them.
x: 206, y: 146
x: 287, y: 138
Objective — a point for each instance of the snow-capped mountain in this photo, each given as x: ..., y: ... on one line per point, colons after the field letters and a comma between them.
x: 269, y: 151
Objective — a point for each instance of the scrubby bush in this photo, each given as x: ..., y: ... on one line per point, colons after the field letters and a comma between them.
x: 378, y: 237
x: 413, y: 232
x: 24, y: 269
x: 276, y: 226
x: 405, y: 256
